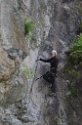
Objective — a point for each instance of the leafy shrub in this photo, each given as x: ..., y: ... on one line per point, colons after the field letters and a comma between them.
x: 74, y: 61
x: 27, y: 73
x: 76, y: 50
x: 28, y: 25
x: 73, y: 67
x: 77, y: 46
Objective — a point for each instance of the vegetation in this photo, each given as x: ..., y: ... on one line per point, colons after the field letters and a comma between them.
x: 73, y: 90
x: 28, y: 25
x: 75, y: 57
x: 77, y: 46
x: 76, y: 50
x: 73, y: 70
x: 27, y: 73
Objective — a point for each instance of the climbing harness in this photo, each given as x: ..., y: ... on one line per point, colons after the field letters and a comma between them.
x: 54, y: 75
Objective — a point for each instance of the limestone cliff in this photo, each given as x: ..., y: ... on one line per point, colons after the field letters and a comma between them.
x: 55, y: 25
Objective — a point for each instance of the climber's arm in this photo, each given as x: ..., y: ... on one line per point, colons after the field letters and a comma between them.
x: 47, y: 60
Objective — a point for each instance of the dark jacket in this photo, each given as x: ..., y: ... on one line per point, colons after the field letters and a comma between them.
x: 53, y: 63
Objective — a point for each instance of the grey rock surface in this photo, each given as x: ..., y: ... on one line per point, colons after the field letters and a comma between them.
x: 11, y: 46
x: 55, y: 25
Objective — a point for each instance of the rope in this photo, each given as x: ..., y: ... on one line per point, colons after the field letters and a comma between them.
x: 36, y: 66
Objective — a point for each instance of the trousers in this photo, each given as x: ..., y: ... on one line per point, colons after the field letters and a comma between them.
x: 49, y: 77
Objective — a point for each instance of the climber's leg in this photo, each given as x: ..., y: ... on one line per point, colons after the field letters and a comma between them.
x: 48, y: 77
x: 53, y: 87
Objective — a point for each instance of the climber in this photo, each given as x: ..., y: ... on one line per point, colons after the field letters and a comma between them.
x: 50, y: 75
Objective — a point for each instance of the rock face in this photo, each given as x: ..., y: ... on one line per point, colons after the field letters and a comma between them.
x: 7, y: 66
x: 56, y: 22
x: 12, y: 49
x: 12, y: 28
